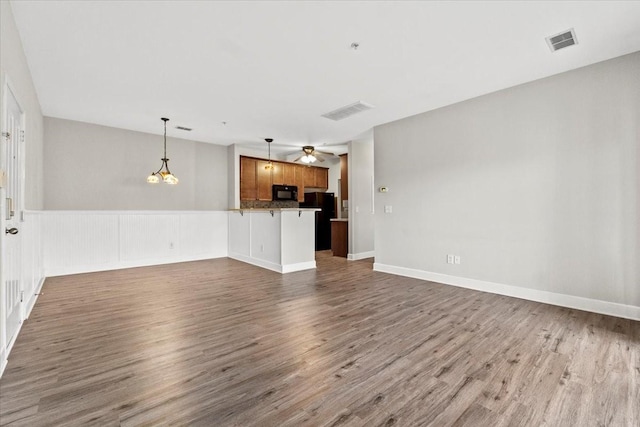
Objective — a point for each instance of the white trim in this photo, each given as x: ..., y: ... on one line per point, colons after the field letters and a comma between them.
x: 3, y: 362
x: 278, y: 268
x: 290, y: 268
x: 257, y: 262
x: 361, y: 255
x: 64, y: 271
x: 569, y: 301
x: 32, y: 302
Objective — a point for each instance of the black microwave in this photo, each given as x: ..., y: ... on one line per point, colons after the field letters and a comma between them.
x: 285, y: 192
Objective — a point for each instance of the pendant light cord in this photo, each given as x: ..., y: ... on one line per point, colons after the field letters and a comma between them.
x: 165, y: 137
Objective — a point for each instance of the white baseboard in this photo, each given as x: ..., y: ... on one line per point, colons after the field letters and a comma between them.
x: 3, y: 361
x: 290, y: 268
x: 361, y: 255
x: 33, y: 300
x: 65, y: 271
x: 569, y: 301
x: 278, y: 268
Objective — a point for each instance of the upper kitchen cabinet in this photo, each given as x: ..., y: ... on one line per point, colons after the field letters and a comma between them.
x: 315, y: 177
x: 322, y: 178
x: 299, y: 172
x: 264, y: 180
x: 288, y: 173
x: 256, y: 181
x: 248, y: 183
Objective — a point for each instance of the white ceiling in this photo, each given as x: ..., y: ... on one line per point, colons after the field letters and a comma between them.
x: 270, y: 69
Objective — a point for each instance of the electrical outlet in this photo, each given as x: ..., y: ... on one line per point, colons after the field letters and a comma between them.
x: 456, y: 259
x: 449, y: 259
x: 388, y: 209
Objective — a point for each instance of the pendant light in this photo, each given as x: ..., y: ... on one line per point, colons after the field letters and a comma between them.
x: 269, y: 166
x: 163, y: 173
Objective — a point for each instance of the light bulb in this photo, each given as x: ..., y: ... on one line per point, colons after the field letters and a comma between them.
x: 311, y: 158
x: 305, y: 159
x: 170, y: 179
x: 153, y: 179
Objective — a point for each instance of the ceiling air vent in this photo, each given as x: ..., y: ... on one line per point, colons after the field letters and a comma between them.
x: 349, y: 110
x: 184, y: 128
x: 562, y: 40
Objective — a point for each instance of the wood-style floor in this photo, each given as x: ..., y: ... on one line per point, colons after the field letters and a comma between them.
x: 219, y: 342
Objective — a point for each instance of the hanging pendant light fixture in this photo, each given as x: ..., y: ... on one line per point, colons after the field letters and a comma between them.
x: 269, y: 166
x: 163, y: 173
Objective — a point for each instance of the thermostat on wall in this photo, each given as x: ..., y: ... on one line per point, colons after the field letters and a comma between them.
x: 383, y: 189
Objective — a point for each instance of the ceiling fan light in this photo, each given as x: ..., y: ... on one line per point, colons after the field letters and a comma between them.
x: 311, y: 158
x: 305, y: 159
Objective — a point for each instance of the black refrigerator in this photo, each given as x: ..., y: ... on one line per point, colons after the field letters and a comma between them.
x: 326, y: 202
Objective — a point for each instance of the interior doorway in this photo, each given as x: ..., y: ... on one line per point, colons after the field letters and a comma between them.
x: 11, y: 208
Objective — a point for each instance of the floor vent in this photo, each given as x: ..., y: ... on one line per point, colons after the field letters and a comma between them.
x: 349, y: 110
x: 562, y: 40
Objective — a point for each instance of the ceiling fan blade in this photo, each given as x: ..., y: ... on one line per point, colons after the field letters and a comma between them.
x: 318, y: 155
x: 324, y: 153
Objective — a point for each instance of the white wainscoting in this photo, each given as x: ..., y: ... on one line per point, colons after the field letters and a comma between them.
x: 32, y: 274
x: 86, y: 241
x: 32, y: 259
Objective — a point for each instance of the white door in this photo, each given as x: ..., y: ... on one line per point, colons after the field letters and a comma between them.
x: 12, y: 141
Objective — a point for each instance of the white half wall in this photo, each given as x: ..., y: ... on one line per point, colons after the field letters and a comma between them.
x: 281, y: 240
x: 79, y: 242
x: 535, y: 187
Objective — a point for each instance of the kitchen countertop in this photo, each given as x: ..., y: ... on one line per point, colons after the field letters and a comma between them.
x: 275, y: 209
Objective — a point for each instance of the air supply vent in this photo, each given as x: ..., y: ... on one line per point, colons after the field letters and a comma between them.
x: 349, y: 110
x: 562, y: 40
x: 184, y: 128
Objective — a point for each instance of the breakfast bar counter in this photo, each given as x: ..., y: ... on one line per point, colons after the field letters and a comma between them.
x: 278, y: 239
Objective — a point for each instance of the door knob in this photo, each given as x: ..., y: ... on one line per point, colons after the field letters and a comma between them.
x: 11, y: 230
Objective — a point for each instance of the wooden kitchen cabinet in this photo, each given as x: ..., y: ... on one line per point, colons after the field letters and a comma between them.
x: 256, y: 181
x: 322, y: 178
x: 264, y: 180
x: 309, y: 176
x: 278, y: 173
x: 288, y: 173
x: 316, y: 177
x: 339, y: 238
x: 299, y: 181
x: 344, y: 176
x: 248, y: 186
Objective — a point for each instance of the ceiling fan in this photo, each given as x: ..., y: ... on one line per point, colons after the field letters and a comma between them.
x: 310, y: 155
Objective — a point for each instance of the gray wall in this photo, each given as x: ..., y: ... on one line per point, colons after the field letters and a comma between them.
x: 14, y: 66
x: 535, y: 186
x: 92, y: 167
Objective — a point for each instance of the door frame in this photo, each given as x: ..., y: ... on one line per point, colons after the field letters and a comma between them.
x: 6, y: 88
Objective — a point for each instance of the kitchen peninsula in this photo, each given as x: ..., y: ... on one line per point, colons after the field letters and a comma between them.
x: 278, y: 239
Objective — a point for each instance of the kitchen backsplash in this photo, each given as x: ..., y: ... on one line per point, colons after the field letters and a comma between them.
x: 259, y: 204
